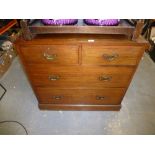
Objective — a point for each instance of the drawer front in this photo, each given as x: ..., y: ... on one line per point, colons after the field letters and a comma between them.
x: 42, y: 75
x: 53, y: 54
x: 80, y: 96
x: 113, y: 55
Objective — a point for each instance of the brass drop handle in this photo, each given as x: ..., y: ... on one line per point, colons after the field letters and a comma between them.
x: 111, y: 57
x: 50, y: 57
x: 54, y: 77
x: 57, y: 97
x: 105, y: 78
x: 100, y: 97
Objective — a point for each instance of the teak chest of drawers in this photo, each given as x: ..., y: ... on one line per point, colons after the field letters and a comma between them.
x: 80, y: 72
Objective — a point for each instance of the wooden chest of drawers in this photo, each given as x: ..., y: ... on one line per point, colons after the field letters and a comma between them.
x: 84, y: 72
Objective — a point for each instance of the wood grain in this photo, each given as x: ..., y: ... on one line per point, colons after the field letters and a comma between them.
x: 107, y: 96
x: 98, y: 55
x: 83, y: 80
x: 80, y: 76
x: 63, y: 54
x: 69, y: 39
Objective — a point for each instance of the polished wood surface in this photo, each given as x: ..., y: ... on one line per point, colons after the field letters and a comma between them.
x: 111, y: 55
x: 107, y: 96
x: 80, y: 72
x: 79, y: 76
x: 52, y: 54
x: 98, y: 39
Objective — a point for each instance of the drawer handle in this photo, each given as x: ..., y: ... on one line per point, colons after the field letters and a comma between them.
x: 100, y: 97
x: 110, y: 57
x: 54, y: 77
x: 57, y: 97
x: 50, y: 57
x: 105, y: 78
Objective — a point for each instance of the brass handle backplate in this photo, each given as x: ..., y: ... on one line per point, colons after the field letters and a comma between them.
x: 105, y: 78
x: 57, y: 97
x: 54, y: 77
x: 100, y: 97
x: 50, y: 57
x: 111, y: 57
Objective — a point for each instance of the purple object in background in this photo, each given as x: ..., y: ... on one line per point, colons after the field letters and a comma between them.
x: 59, y: 21
x: 102, y: 22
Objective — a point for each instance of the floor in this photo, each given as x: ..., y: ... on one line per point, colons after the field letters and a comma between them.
x: 137, y: 115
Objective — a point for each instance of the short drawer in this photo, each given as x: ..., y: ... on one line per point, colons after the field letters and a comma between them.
x: 80, y: 96
x: 111, y: 55
x: 84, y: 76
x: 52, y: 54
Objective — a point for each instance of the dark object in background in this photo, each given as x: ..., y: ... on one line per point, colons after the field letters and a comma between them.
x: 4, y: 91
x: 133, y: 22
x: 4, y: 22
x: 150, y: 36
x: 147, y: 31
x: 152, y: 53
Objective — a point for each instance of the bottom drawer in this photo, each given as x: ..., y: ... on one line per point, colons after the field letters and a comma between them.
x: 106, y: 96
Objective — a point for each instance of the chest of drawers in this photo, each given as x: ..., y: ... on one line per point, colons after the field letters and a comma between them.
x: 80, y: 72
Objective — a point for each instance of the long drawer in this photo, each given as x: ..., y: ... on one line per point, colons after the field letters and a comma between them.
x: 111, y: 55
x: 46, y: 75
x: 51, y: 54
x: 107, y: 96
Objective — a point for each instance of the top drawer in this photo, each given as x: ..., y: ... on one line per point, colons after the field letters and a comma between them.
x: 111, y: 55
x: 53, y: 54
